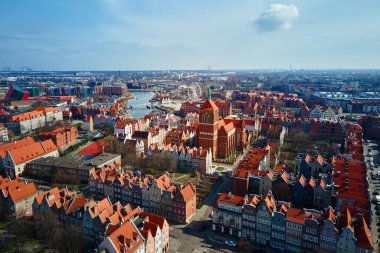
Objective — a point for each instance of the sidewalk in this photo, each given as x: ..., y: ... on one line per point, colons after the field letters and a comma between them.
x: 218, y: 238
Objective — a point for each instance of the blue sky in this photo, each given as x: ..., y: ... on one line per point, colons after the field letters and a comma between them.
x: 189, y: 34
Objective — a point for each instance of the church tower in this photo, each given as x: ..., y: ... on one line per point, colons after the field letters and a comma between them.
x: 208, y: 125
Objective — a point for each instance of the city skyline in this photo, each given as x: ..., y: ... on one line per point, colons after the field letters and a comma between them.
x: 152, y: 35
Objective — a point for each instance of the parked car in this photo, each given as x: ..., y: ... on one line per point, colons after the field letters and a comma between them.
x: 230, y: 243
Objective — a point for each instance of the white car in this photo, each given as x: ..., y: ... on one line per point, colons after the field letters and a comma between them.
x: 230, y: 243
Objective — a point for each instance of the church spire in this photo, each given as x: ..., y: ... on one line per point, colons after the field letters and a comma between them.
x: 209, y: 93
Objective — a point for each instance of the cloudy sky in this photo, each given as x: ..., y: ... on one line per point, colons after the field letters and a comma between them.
x: 189, y: 34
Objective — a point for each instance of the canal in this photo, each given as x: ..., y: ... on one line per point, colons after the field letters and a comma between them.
x: 139, y: 104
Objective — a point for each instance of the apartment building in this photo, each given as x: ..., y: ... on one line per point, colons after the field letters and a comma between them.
x: 39, y: 117
x: 61, y: 136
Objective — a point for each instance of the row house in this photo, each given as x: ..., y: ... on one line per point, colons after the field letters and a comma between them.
x: 55, y: 200
x: 277, y: 225
x: 61, y: 136
x: 334, y: 130
x: 278, y: 234
x: 147, y: 233
x: 145, y: 137
x: 158, y: 134
x: 187, y: 159
x: 355, y: 235
x: 313, y: 166
x: 264, y: 214
x: 312, y: 193
x: 99, y: 219
x: 126, y: 127
x: 278, y: 182
x: 123, y: 130
x: 178, y: 137
x: 136, y: 145
x: 126, y: 238
x: 319, y: 112
x: 16, y: 197
x: 156, y: 195
x: 227, y: 214
x: 172, y: 121
x: 3, y: 133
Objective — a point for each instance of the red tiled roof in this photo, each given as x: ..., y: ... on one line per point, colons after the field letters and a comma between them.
x: 26, y: 116
x: 124, y: 237
x: 79, y: 201
x: 346, y: 220
x: 270, y: 202
x: 30, y: 152
x: 152, y: 227
x: 157, y: 219
x: 188, y: 192
x: 329, y: 214
x: 209, y: 105
x: 232, y: 199
x: 296, y: 215
x: 240, y: 173
x: 22, y: 192
x: 302, y: 180
x: 364, y: 235
x: 52, y: 191
x: 15, y: 145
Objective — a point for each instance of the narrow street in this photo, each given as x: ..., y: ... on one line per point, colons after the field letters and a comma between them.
x: 194, y: 237
x: 371, y: 150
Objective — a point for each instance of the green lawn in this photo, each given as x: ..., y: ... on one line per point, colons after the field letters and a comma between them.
x: 220, y: 169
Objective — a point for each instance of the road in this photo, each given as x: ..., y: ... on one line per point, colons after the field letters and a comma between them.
x: 196, y: 236
x: 373, y: 185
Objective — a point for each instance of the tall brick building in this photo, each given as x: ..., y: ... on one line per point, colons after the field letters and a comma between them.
x: 223, y: 135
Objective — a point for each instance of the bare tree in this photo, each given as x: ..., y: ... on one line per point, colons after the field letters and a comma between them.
x: 72, y: 239
x: 47, y: 227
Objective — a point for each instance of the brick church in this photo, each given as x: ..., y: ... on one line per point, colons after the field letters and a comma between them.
x: 223, y: 135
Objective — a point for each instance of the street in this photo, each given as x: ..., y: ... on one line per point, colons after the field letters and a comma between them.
x: 372, y: 160
x: 196, y: 236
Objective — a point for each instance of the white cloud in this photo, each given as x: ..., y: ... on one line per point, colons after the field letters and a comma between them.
x: 276, y: 17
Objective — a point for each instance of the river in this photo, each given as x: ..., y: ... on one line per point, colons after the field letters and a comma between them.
x: 139, y: 104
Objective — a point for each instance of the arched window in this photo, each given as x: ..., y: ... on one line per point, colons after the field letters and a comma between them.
x: 208, y: 119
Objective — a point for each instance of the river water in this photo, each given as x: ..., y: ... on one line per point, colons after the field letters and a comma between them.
x: 139, y: 104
